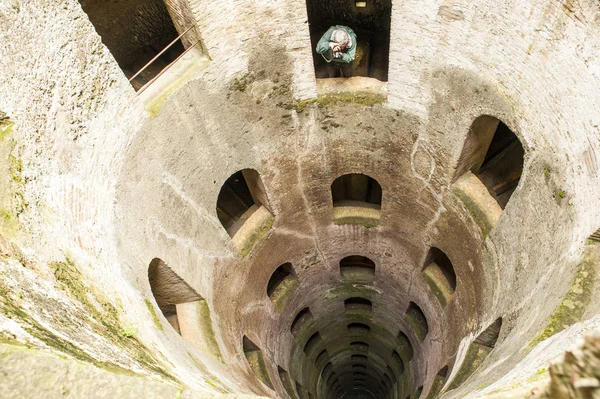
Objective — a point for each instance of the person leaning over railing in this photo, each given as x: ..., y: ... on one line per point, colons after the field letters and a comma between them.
x: 338, y: 48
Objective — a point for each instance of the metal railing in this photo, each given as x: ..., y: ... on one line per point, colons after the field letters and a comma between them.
x: 158, y: 75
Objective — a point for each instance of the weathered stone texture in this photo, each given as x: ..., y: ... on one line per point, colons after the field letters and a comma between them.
x: 97, y: 190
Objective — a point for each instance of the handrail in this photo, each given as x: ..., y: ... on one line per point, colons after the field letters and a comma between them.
x: 144, y: 87
x: 159, y: 54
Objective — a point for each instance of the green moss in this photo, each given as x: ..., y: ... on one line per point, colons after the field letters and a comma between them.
x: 287, y: 384
x: 36, y: 330
x: 327, y: 100
x: 208, y: 332
x: 361, y: 98
x: 361, y: 221
x: 16, y: 169
x: 256, y: 236
x: 283, y: 292
x: 476, y: 354
x: 9, y: 223
x: 547, y: 171
x: 418, y: 323
x: 477, y: 213
x: 438, y: 283
x: 129, y: 331
x: 258, y: 366
x: 107, y: 317
x: 436, y: 387
x: 577, y: 299
x: 70, y: 279
x: 6, y: 128
x: 153, y: 314
x: 350, y: 290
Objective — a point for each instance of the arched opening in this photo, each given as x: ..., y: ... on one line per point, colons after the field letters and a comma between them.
x: 186, y: 311
x: 478, y: 350
x: 438, y: 382
x: 404, y: 346
x: 369, y: 20
x: 256, y: 361
x: 358, y: 329
x: 243, y: 209
x: 439, y: 275
x: 312, y: 343
x: 136, y: 32
x: 356, y: 200
x: 357, y: 305
x: 302, y: 322
x: 357, y: 268
x: 282, y: 284
x: 489, y: 168
x: 417, y: 320
x: 284, y: 377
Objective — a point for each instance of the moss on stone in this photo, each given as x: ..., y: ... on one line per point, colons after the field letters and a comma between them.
x: 153, y: 313
x: 436, y: 387
x: 327, y: 100
x: 575, y: 302
x: 350, y: 290
x: 258, y: 366
x: 418, y: 323
x: 477, y: 213
x: 6, y: 127
x: 256, y: 235
x: 366, y: 222
x: 107, y: 318
x: 9, y: 223
x: 475, y: 356
x: 208, y: 332
x: 438, y: 283
x: 283, y: 292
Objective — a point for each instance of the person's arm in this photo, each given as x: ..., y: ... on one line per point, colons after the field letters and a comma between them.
x: 349, y: 56
x: 323, y: 44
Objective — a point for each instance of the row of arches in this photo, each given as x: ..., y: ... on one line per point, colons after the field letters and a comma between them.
x: 187, y: 312
x: 487, y: 173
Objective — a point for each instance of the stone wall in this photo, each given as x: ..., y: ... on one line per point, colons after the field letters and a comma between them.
x: 94, y: 189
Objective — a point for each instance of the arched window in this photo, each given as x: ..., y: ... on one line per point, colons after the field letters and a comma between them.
x: 479, y: 349
x: 312, y: 343
x: 322, y: 358
x: 282, y: 284
x: 136, y: 33
x: 438, y: 382
x: 359, y: 346
x: 358, y: 329
x: 398, y: 362
x: 358, y: 305
x: 256, y: 361
x: 356, y: 200
x: 243, y: 209
x: 357, y: 268
x: 491, y: 163
x: 302, y: 322
x: 370, y: 21
x: 439, y: 274
x: 185, y: 310
x: 404, y: 346
x: 416, y: 318
x: 286, y: 381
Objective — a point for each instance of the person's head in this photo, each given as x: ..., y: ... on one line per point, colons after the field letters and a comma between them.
x: 341, y: 37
